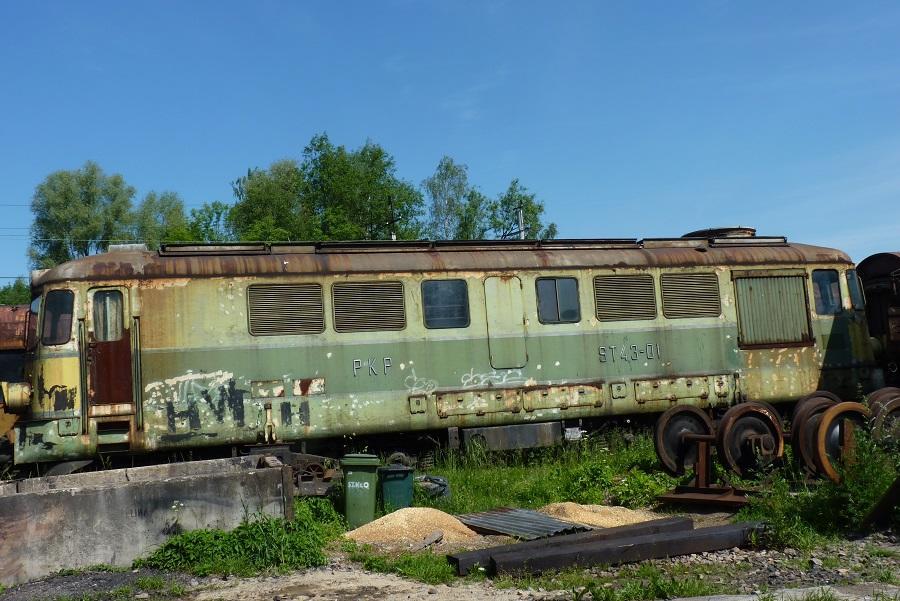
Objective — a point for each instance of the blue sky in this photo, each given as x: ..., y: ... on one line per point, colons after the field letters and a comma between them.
x: 627, y: 119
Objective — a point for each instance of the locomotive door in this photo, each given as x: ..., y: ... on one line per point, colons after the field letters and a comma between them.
x: 109, y: 350
x: 505, y: 312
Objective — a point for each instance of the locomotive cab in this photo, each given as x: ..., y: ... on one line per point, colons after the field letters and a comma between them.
x: 880, y: 275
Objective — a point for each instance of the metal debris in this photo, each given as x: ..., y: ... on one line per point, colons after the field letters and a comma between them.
x: 523, y: 524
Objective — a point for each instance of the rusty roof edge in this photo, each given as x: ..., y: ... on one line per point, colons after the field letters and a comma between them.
x: 125, y: 265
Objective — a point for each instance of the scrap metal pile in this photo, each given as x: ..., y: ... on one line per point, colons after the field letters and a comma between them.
x: 750, y: 437
x: 654, y: 539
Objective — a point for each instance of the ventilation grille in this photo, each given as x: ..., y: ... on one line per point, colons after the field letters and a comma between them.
x: 369, y: 306
x: 772, y: 311
x: 690, y: 295
x: 624, y: 297
x: 280, y: 309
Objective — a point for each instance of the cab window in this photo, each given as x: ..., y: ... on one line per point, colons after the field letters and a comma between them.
x: 856, y: 293
x: 107, y: 315
x: 827, y: 291
x: 31, y: 334
x: 57, y: 323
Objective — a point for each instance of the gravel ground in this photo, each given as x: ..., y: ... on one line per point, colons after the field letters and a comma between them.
x: 855, y: 568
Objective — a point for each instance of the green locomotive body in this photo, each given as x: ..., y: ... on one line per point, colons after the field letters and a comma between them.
x: 234, y: 345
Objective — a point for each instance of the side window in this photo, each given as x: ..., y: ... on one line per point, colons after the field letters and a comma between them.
x: 827, y: 291
x: 57, y: 323
x: 107, y: 315
x: 445, y: 304
x: 557, y: 300
x: 856, y: 293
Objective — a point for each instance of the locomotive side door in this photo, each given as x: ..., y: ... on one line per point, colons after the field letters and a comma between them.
x: 505, y: 311
x: 109, y: 351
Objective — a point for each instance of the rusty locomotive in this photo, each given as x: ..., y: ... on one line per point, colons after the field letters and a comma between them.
x: 508, y: 343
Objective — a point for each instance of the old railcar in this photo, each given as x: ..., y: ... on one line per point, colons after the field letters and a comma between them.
x: 880, y: 275
x: 227, y: 346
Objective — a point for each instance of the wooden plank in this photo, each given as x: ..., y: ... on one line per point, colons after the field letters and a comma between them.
x: 618, y: 551
x: 466, y: 561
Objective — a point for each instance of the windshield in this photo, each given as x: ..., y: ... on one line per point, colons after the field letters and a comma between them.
x: 57, y: 325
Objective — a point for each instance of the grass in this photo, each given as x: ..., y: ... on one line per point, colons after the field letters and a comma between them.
x: 423, y: 566
x: 258, y: 544
x: 618, y: 468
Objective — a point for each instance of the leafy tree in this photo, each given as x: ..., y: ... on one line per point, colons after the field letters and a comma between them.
x: 271, y: 205
x: 456, y: 209
x: 210, y: 223
x: 16, y: 293
x: 357, y: 195
x: 160, y: 218
x: 504, y: 214
x: 77, y: 213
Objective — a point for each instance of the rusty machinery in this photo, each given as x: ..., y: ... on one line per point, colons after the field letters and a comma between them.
x: 749, y: 438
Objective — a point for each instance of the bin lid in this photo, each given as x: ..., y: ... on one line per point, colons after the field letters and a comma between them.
x: 360, y: 459
x: 395, y: 467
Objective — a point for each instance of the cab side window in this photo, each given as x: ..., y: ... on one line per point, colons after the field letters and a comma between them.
x: 57, y: 324
x: 827, y: 291
x: 856, y: 293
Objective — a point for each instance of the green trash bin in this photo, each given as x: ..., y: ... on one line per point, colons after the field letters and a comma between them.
x: 396, y: 486
x: 360, y: 488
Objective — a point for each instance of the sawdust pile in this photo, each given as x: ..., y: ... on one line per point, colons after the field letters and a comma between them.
x: 600, y: 516
x: 411, y: 525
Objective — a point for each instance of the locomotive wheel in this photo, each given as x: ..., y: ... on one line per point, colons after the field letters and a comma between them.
x: 834, y: 433
x: 675, y: 453
x: 750, y: 437
x: 803, y: 430
x: 883, y: 393
x: 819, y: 394
x: 886, y: 417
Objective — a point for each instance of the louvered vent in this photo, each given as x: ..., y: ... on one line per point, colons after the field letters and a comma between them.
x: 281, y: 309
x: 624, y: 297
x: 368, y: 306
x: 690, y: 295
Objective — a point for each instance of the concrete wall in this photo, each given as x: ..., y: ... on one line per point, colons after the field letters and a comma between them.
x: 116, y: 516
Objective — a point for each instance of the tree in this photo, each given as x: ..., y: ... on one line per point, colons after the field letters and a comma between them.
x: 446, y: 192
x: 504, y: 214
x: 357, y: 195
x: 210, y: 223
x: 271, y: 205
x: 159, y: 219
x: 16, y: 293
x: 77, y: 213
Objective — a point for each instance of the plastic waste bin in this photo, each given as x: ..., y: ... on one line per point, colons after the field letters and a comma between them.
x: 396, y: 486
x: 360, y: 487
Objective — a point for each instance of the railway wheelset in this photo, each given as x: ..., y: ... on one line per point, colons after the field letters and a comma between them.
x: 750, y: 437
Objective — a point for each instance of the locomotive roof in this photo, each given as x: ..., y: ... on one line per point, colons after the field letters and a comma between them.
x: 880, y: 265
x: 217, y: 260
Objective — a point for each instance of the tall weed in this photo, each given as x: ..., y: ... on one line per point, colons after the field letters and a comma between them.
x: 257, y: 544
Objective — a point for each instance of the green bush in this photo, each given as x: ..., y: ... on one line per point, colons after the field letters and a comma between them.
x: 257, y: 544
x: 804, y: 517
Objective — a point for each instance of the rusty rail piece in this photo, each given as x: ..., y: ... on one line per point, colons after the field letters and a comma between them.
x: 466, y: 561
x: 624, y: 550
x: 881, y: 512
